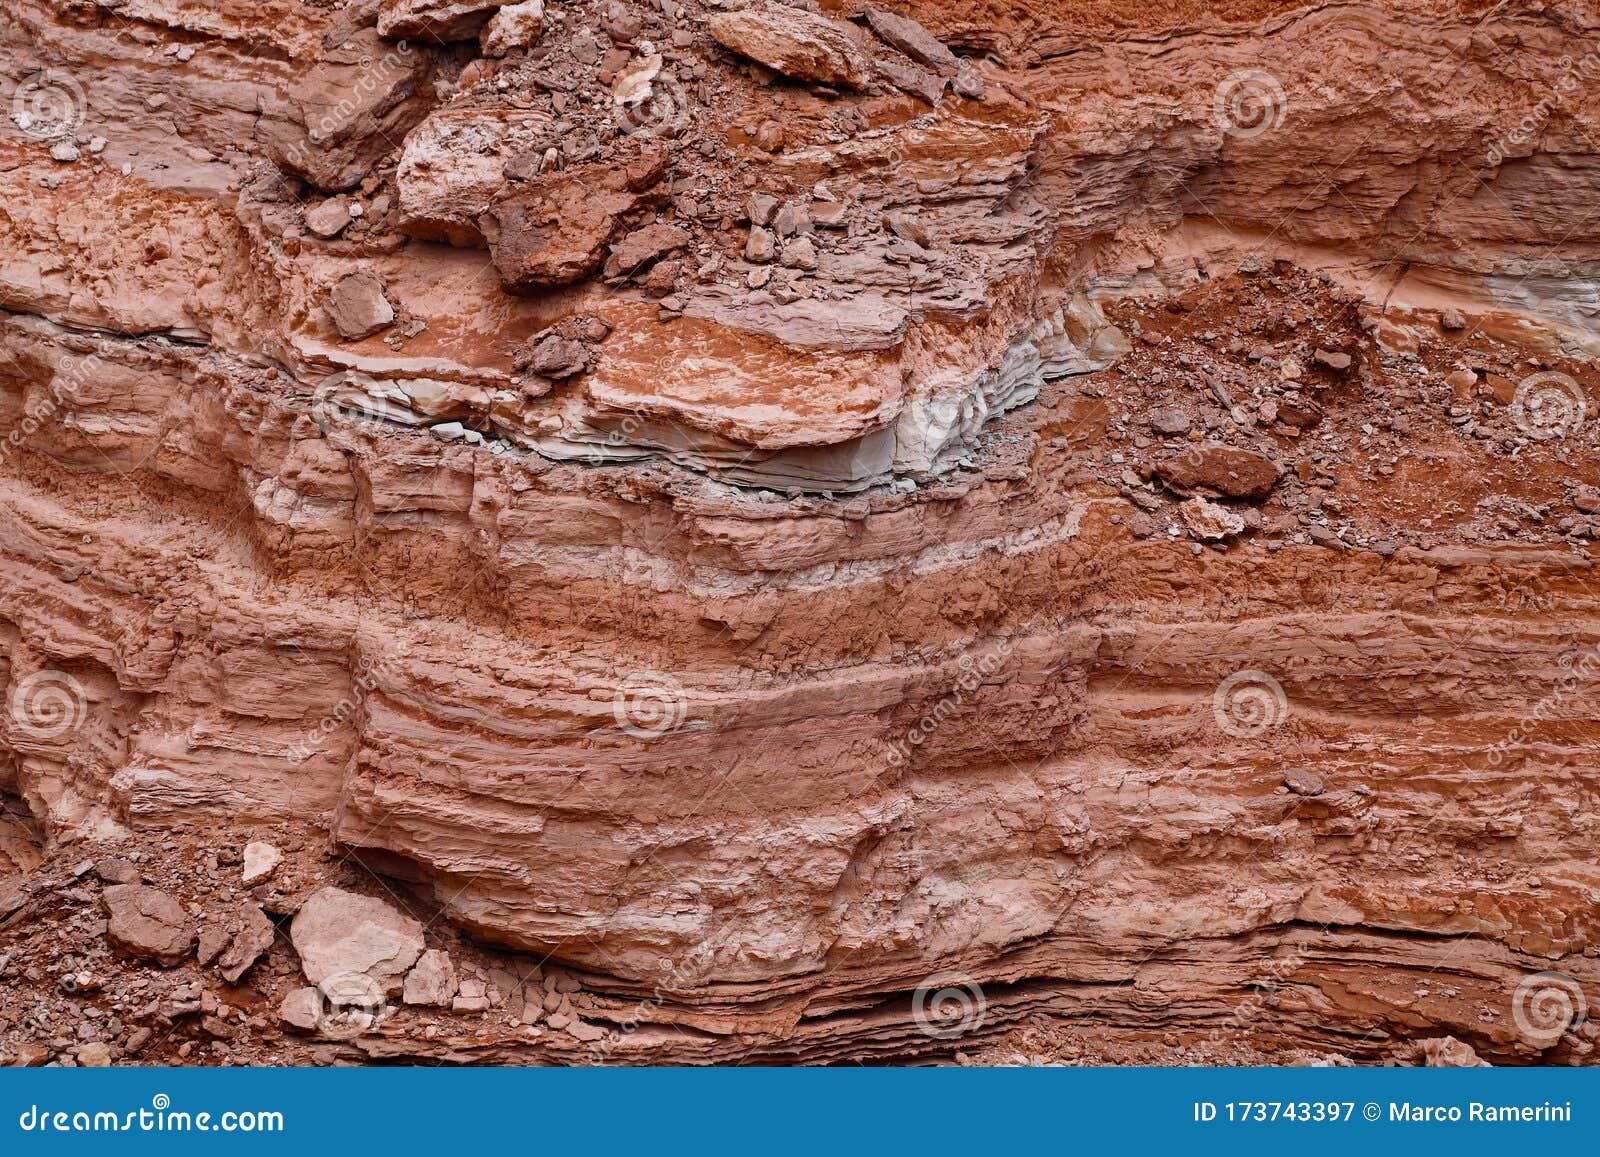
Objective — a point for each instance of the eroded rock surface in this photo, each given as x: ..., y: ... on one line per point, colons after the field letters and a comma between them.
x: 1090, y: 502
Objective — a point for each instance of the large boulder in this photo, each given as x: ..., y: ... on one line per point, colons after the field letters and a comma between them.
x: 338, y: 932
x: 798, y: 44
x: 147, y: 923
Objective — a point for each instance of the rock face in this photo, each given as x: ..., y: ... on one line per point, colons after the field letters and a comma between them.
x: 338, y: 932
x: 815, y: 525
x: 147, y: 923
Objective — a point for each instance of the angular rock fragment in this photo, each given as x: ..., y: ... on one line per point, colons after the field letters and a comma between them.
x: 337, y: 932
x: 328, y: 218
x: 473, y: 997
x: 919, y: 83
x: 801, y: 253
x: 643, y: 246
x: 1219, y: 472
x: 796, y: 43
x: 761, y: 246
x: 301, y: 1009
x: 342, y: 116
x: 432, y: 981
x: 357, y: 306
x: 556, y: 229
x: 1209, y: 522
x: 116, y: 870
x: 211, y: 942
x: 635, y: 80
x: 1335, y: 360
x: 147, y: 923
x: 456, y: 162
x: 261, y: 859
x: 1446, y: 1052
x: 554, y: 356
x: 514, y: 26
x: 1170, y: 422
x: 94, y: 1055
x: 254, y: 937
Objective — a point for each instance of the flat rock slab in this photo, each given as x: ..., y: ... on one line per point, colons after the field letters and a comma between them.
x: 1219, y: 472
x: 420, y: 19
x: 147, y: 923
x: 798, y: 44
x: 337, y: 932
x: 913, y: 39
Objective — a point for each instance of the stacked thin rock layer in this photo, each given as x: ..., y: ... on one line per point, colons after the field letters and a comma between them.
x: 809, y: 501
